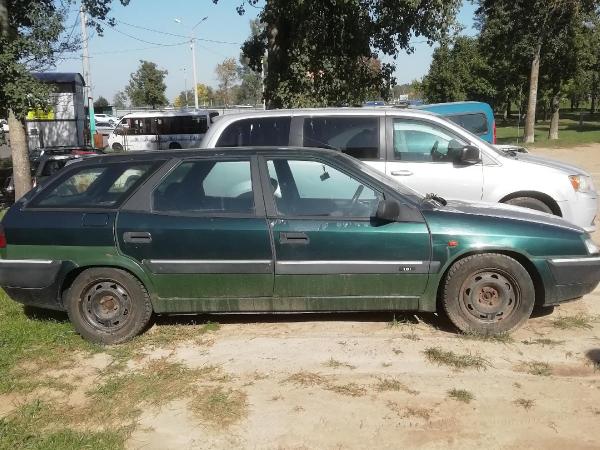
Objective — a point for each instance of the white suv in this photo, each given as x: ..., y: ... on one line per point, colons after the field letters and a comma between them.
x: 423, y: 151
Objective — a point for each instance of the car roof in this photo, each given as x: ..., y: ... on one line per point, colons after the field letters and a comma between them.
x: 168, y: 113
x: 152, y: 155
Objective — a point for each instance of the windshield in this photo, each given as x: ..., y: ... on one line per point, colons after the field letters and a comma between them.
x: 412, y: 195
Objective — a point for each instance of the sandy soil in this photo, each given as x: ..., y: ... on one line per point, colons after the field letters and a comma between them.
x: 344, y: 358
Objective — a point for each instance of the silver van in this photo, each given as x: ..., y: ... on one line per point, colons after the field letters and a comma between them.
x: 423, y: 151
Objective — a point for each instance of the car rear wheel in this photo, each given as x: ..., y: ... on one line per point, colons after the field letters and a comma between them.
x: 488, y: 294
x: 117, y: 147
x: 108, y: 306
x: 531, y: 203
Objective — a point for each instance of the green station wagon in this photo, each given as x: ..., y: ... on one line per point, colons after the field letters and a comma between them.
x: 113, y: 239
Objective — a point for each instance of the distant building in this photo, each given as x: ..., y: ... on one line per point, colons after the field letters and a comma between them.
x: 63, y: 123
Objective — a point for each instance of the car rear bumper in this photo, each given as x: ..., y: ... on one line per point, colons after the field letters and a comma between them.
x: 574, y: 277
x: 32, y: 282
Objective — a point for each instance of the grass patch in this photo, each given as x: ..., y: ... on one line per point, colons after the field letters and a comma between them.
x: 37, y: 426
x: 578, y: 321
x: 461, y: 395
x: 412, y: 336
x: 350, y: 389
x: 538, y: 368
x: 304, y: 378
x: 156, y: 384
x: 448, y: 358
x: 544, y: 342
x: 524, y: 403
x: 393, y: 384
x: 220, y: 407
x: 335, y: 364
x: 410, y: 412
x: 502, y: 338
x: 31, y: 344
x: 570, y: 133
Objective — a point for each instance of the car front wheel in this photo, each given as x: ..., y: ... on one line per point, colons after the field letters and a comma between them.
x: 108, y: 306
x: 488, y: 294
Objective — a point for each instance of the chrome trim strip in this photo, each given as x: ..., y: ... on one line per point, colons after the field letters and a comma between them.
x: 575, y: 260
x: 26, y: 261
x: 323, y: 262
x: 210, y: 261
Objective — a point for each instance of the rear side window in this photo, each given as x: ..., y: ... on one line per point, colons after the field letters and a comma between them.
x: 258, y: 132
x: 475, y: 123
x: 94, y: 187
x: 355, y: 136
x: 207, y: 187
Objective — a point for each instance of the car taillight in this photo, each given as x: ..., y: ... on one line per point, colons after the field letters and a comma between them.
x: 494, y: 128
x: 2, y: 237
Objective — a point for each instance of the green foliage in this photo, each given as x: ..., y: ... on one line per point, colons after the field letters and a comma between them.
x: 325, y: 53
x: 120, y: 100
x: 101, y: 102
x: 458, y: 72
x: 147, y: 86
x: 227, y: 74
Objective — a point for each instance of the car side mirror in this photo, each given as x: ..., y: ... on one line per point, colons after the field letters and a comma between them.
x: 388, y: 211
x: 469, y: 154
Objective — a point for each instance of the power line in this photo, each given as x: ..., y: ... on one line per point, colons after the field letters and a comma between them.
x: 214, y: 41
x: 110, y: 52
x: 159, y: 44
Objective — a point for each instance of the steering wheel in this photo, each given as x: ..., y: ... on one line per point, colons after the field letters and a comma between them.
x: 356, y: 196
x: 435, y: 155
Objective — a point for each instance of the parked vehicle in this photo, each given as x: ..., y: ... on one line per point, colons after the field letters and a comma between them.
x: 105, y: 127
x: 4, y: 125
x: 111, y: 120
x: 161, y: 130
x: 420, y: 149
x: 112, y: 239
x: 476, y: 117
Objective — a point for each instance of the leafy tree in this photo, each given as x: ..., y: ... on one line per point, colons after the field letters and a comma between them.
x: 321, y: 52
x: 227, y: 74
x: 120, y: 100
x: 458, y: 72
x: 249, y: 91
x: 527, y: 31
x: 205, y: 94
x: 183, y: 98
x: 147, y: 86
x: 31, y: 38
x: 101, y: 102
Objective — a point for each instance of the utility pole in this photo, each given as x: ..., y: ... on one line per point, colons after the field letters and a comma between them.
x: 87, y: 73
x: 195, y: 87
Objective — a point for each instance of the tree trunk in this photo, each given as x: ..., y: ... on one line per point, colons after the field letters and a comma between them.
x: 593, y: 104
x: 20, y: 155
x: 532, y: 102
x: 555, y: 106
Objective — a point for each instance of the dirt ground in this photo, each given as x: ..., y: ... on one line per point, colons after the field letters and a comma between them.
x: 364, y: 381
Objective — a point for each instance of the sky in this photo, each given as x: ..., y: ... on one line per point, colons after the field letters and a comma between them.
x: 116, y: 54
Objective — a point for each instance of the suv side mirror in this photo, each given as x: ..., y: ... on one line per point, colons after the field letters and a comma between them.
x: 388, y: 211
x: 469, y: 154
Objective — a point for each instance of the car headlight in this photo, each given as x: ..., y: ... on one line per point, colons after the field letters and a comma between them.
x: 581, y: 183
x: 592, y: 248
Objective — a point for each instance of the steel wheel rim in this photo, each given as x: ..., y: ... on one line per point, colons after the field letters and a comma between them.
x: 106, y: 305
x: 489, y: 295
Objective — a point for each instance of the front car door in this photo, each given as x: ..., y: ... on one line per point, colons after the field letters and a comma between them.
x: 421, y: 155
x: 329, y: 252
x: 200, y: 232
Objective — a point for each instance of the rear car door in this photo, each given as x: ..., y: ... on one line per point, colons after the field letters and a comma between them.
x: 329, y: 252
x: 201, y: 233
x: 421, y: 155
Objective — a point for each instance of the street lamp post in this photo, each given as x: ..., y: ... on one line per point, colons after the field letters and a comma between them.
x: 193, y: 47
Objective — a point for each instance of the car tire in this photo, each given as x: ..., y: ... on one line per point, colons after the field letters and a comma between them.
x: 531, y: 203
x: 117, y: 148
x: 174, y: 146
x: 108, y: 306
x: 488, y: 294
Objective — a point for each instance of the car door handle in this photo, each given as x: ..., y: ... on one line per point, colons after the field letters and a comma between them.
x: 293, y: 238
x: 401, y: 173
x: 137, y: 237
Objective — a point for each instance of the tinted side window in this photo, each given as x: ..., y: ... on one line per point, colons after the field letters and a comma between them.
x: 415, y: 140
x: 312, y: 188
x: 475, y: 123
x: 95, y: 187
x: 207, y: 187
x: 355, y: 136
x: 260, y: 132
x: 182, y: 125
